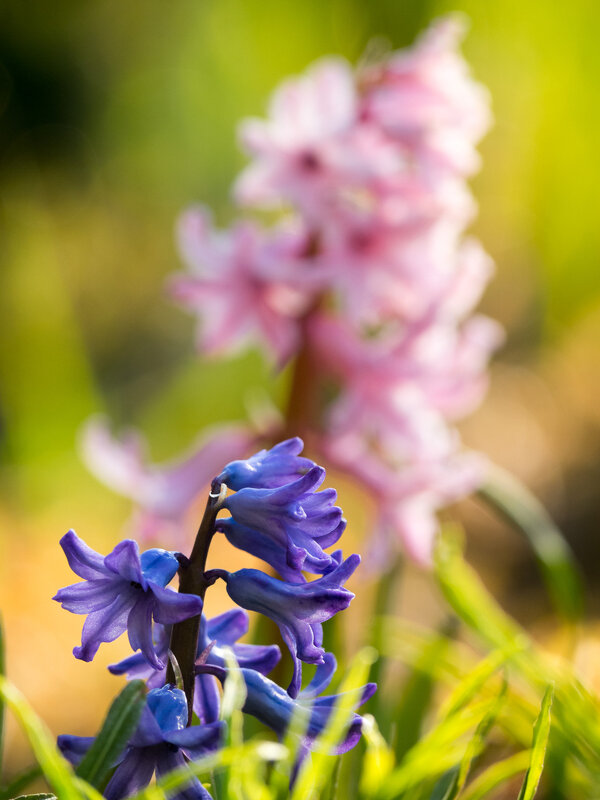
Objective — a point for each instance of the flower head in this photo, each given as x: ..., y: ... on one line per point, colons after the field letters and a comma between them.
x: 161, y: 743
x: 123, y: 591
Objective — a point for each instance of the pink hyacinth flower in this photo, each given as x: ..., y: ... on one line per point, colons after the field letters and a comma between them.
x: 426, y: 98
x: 243, y: 285
x: 313, y: 146
x: 163, y: 493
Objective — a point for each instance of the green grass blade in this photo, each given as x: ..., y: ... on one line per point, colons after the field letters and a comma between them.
x: 56, y: 770
x: 316, y: 773
x: 410, y: 711
x: 38, y: 796
x: 497, y: 774
x: 473, y: 682
x: 379, y: 758
x: 541, y: 732
x: 118, y: 727
x: 514, y: 501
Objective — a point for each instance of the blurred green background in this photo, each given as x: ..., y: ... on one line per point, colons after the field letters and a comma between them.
x: 113, y: 117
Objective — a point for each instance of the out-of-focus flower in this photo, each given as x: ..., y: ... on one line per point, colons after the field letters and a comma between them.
x: 241, y: 287
x: 215, y: 634
x: 298, y: 609
x: 162, y: 493
x: 161, y: 743
x: 123, y: 591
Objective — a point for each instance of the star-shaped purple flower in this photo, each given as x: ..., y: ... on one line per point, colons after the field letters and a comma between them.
x: 161, y: 743
x: 123, y: 591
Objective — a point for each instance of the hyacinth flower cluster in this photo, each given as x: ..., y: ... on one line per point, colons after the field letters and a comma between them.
x: 278, y: 514
x: 364, y: 283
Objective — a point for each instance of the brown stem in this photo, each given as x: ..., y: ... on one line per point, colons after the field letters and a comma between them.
x: 184, y: 635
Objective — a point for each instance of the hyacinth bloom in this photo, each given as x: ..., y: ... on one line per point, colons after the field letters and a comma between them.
x: 243, y: 285
x: 295, y: 516
x: 163, y: 494
x: 274, y: 707
x: 123, y: 591
x: 215, y: 634
x: 268, y: 469
x: 298, y: 609
x: 161, y: 743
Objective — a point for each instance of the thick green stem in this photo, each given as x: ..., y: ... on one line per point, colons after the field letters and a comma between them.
x: 184, y: 636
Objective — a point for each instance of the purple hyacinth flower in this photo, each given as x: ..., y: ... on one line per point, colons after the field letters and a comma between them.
x: 298, y: 609
x: 222, y: 631
x: 270, y: 704
x: 160, y: 743
x: 298, y: 519
x: 123, y: 591
x: 268, y: 469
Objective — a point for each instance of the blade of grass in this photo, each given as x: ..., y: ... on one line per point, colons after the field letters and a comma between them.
x: 379, y: 758
x: 505, y: 494
x: 118, y: 727
x: 56, y: 770
x: 541, y: 732
x: 415, y: 699
x: 496, y: 775
x: 315, y: 775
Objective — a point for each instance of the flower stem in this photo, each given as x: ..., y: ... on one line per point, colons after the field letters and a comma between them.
x: 192, y: 580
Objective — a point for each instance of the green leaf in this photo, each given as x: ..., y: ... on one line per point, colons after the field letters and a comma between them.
x: 541, y: 732
x: 517, y: 505
x: 56, y: 770
x: 118, y: 727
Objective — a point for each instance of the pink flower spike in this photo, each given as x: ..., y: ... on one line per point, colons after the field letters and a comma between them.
x: 162, y: 493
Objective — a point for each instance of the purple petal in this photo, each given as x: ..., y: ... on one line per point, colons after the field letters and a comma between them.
x: 207, y: 700
x: 261, y: 658
x: 193, y: 790
x: 139, y: 630
x: 171, y: 606
x: 197, y: 740
x: 84, y: 561
x: 322, y: 677
x: 133, y: 773
x: 74, y: 748
x: 103, y: 626
x: 125, y: 561
x: 87, y: 596
x: 227, y: 628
